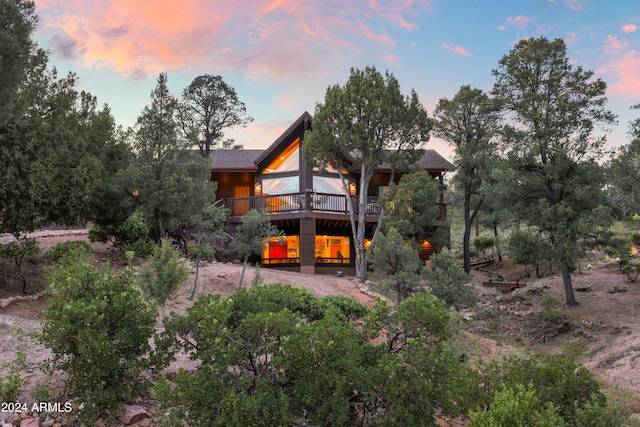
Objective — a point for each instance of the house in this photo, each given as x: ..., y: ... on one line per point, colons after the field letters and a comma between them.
x: 308, y: 205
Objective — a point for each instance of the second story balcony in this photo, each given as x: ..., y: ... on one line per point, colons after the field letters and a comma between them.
x: 296, y: 203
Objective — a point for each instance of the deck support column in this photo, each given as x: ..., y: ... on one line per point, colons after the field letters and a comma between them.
x: 308, y: 245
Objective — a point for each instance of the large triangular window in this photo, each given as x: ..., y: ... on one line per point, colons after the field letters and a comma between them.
x: 288, y: 161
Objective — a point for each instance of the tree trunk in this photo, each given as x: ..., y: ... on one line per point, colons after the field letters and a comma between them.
x: 496, y: 242
x: 466, y: 240
x: 244, y: 267
x: 568, y: 287
x: 195, y: 282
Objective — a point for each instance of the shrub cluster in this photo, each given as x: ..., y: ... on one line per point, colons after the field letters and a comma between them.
x: 131, y: 235
x: 547, y: 391
x: 70, y: 248
x: 98, y: 328
x: 273, y: 353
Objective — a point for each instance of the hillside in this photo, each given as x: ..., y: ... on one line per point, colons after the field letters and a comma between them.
x: 603, y: 330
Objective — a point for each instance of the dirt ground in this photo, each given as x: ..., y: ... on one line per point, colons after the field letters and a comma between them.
x: 603, y: 330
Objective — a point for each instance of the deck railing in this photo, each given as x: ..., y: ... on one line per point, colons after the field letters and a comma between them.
x: 305, y: 202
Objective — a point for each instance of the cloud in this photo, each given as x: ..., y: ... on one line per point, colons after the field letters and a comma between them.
x: 613, y: 44
x: 576, y: 5
x: 391, y: 58
x: 629, y: 28
x: 280, y: 38
x: 395, y: 11
x: 519, y: 21
x: 622, y: 68
x: 66, y: 47
x: 626, y: 72
x: 458, y: 50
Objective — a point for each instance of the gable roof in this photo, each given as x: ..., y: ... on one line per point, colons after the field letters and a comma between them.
x: 303, y: 121
x: 248, y: 160
x: 432, y: 160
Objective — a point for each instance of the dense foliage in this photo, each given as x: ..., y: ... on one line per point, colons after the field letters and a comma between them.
x: 554, y: 108
x: 448, y: 281
x: 274, y: 353
x: 399, y: 263
x: 98, y: 328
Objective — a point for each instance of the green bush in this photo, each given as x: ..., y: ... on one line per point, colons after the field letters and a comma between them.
x: 556, y: 380
x: 130, y: 235
x: 448, y: 281
x: 98, y: 329
x: 273, y: 353
x: 73, y: 248
x: 517, y: 406
x: 166, y: 271
x: 11, y: 384
x: 22, y: 250
x: 550, y: 312
x: 482, y: 243
x: 594, y: 415
x: 530, y: 249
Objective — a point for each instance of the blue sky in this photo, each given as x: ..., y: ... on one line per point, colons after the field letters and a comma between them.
x: 281, y: 55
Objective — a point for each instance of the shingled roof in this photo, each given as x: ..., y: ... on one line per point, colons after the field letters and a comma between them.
x: 234, y: 160
x: 245, y: 160
x: 432, y: 160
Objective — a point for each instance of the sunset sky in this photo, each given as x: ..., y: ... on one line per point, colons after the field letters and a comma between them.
x: 281, y: 55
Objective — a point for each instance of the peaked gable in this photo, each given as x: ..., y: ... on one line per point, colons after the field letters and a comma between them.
x: 294, y: 131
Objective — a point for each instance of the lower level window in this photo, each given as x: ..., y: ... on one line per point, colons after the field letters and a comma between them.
x: 332, y: 250
x: 281, y: 250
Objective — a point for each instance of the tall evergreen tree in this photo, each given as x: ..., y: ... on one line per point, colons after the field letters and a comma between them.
x: 17, y: 24
x: 469, y: 124
x: 208, y: 107
x: 360, y: 126
x: 58, y: 152
x: 166, y: 181
x: 553, y: 108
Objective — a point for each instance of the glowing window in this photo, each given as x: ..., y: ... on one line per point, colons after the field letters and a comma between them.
x: 332, y: 250
x: 281, y: 250
x: 288, y: 161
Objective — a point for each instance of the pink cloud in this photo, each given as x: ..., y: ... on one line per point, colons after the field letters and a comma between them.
x: 519, y: 22
x: 626, y: 71
x: 458, y: 50
x: 391, y: 58
x: 277, y: 37
x: 613, y: 44
x: 395, y: 11
x: 629, y: 28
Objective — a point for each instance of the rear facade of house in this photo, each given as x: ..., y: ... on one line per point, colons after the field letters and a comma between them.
x: 308, y: 205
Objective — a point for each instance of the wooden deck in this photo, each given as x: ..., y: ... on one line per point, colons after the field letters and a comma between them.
x: 283, y: 204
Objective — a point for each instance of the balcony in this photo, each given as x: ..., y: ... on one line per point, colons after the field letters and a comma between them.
x: 297, y: 202
x: 305, y: 202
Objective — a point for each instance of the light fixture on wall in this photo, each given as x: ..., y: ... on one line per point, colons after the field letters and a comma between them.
x: 352, y: 188
x: 257, y: 189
